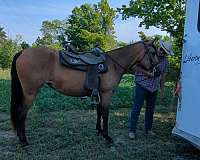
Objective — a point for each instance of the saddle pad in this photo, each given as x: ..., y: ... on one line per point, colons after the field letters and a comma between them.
x: 75, y: 63
x: 87, y: 57
x: 72, y: 60
x: 92, y: 59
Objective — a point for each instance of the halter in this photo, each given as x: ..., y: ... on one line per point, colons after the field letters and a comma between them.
x: 129, y: 70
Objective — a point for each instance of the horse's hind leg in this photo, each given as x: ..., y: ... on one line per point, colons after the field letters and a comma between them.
x: 21, y: 126
x: 23, y: 110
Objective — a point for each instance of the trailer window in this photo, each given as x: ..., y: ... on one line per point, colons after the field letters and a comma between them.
x: 199, y: 19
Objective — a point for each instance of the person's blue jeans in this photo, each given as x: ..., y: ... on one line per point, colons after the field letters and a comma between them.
x: 142, y: 94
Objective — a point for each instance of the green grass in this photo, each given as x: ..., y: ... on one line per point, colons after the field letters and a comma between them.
x: 60, y: 127
x: 4, y: 74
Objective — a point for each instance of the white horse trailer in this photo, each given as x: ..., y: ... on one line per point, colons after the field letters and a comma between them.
x: 188, y: 109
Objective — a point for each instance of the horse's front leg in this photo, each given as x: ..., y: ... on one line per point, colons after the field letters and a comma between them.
x: 105, y: 101
x: 99, y: 115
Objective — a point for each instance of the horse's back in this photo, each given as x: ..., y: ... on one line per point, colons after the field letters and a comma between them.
x: 37, y: 58
x: 40, y: 55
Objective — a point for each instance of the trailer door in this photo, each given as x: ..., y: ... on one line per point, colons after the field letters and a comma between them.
x: 188, y: 109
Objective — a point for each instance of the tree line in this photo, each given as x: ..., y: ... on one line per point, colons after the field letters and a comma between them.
x: 92, y: 23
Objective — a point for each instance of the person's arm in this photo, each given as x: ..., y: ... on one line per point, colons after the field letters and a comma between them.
x: 164, y: 65
x: 146, y: 73
x: 162, y: 85
x: 177, y: 88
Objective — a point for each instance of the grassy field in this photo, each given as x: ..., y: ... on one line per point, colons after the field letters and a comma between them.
x: 60, y: 127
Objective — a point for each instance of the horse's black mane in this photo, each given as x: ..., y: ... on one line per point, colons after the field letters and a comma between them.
x: 129, y: 45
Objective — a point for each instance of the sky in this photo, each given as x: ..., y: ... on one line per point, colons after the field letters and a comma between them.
x: 25, y: 17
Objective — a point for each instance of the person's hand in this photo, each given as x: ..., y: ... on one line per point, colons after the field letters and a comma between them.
x: 177, y: 88
x: 150, y: 74
x: 157, y: 71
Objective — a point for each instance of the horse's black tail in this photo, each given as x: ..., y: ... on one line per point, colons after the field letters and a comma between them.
x: 16, y: 93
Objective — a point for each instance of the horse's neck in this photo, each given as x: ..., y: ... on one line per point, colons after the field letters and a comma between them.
x: 124, y: 56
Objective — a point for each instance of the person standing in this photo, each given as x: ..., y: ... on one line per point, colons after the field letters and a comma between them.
x: 146, y: 89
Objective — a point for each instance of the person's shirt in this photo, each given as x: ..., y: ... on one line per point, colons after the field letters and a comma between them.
x: 151, y: 83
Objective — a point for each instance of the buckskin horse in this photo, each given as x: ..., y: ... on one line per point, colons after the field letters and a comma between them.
x: 34, y: 67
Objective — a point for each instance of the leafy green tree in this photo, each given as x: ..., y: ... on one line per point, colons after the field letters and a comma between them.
x: 24, y: 45
x: 89, y: 24
x: 7, y: 49
x: 2, y: 35
x: 144, y: 37
x: 121, y: 44
x: 168, y: 15
x: 46, y: 40
x: 6, y: 52
x: 52, y: 31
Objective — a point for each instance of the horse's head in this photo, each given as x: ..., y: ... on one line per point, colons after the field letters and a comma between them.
x: 152, y: 59
x: 147, y: 57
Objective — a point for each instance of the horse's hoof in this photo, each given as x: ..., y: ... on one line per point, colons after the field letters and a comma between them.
x: 25, y: 143
x: 108, y: 139
x: 99, y: 132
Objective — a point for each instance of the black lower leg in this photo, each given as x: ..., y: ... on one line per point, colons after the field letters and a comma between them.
x: 21, y: 130
x: 98, y: 124
x: 105, y: 127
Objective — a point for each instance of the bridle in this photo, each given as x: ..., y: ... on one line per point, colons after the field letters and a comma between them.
x: 132, y: 65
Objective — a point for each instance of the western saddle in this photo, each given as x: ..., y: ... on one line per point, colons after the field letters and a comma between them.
x: 92, y: 62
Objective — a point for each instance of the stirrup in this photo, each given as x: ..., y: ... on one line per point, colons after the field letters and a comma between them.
x: 95, y: 97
